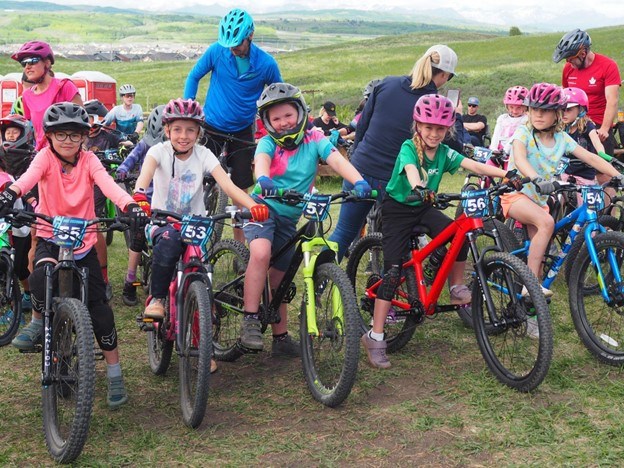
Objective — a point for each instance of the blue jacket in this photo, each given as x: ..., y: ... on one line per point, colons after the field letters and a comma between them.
x: 231, y: 99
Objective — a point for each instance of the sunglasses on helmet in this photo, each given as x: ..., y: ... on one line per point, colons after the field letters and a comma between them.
x: 30, y: 61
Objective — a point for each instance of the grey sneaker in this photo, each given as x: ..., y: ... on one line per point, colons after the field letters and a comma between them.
x: 251, y: 334
x: 376, y: 352
x: 28, y: 337
x: 117, y: 394
x: 460, y: 294
x: 286, y: 347
x: 532, y: 328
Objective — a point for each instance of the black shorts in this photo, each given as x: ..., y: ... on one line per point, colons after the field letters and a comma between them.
x: 240, y: 154
x: 100, y: 202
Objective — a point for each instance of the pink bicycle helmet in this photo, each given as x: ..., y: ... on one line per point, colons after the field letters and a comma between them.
x: 434, y: 109
x: 546, y: 96
x: 515, y: 95
x: 183, y: 109
x: 34, y: 49
x: 576, y: 97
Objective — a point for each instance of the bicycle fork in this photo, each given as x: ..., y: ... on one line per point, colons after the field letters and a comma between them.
x: 309, y: 264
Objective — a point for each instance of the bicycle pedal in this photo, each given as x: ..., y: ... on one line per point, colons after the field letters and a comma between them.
x: 245, y: 350
x: 99, y: 355
x: 35, y: 349
x: 136, y: 284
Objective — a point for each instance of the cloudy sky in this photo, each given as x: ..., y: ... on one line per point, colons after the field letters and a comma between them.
x: 552, y: 13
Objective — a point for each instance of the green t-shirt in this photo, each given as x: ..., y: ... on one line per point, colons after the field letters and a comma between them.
x: 445, y: 160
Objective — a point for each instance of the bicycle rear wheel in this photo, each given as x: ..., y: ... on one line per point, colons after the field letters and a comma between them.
x: 515, y: 335
x: 599, y: 324
x: 196, y: 353
x: 229, y: 259
x: 330, y: 358
x: 215, y: 201
x: 159, y: 349
x: 68, y: 400
x: 365, y: 268
x: 10, y: 304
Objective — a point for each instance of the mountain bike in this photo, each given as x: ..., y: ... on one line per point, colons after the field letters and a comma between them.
x: 188, y: 314
x: 500, y: 311
x: 10, y: 297
x: 593, y: 271
x: 68, y: 356
x: 329, y: 329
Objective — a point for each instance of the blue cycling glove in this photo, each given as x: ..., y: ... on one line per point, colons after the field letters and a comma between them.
x: 362, y: 189
x: 268, y: 187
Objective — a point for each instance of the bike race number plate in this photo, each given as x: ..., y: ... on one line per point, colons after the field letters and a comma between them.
x: 593, y: 197
x: 317, y: 207
x: 475, y: 203
x: 196, y: 230
x: 481, y: 154
x: 4, y: 237
x: 68, y: 232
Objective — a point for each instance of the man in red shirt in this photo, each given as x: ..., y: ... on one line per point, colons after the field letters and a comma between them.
x: 597, y: 75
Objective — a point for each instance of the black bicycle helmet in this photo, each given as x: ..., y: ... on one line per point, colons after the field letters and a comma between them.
x: 65, y: 116
x: 154, y: 132
x: 570, y: 44
x: 26, y: 139
x: 95, y: 107
x: 279, y: 93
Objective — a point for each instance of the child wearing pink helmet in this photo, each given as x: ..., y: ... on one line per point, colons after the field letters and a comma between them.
x: 418, y: 170
x: 507, y: 123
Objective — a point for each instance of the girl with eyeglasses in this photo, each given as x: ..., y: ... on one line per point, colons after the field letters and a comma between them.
x: 37, y: 58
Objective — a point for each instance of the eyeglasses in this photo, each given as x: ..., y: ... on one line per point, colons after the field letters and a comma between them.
x: 73, y: 137
x: 30, y: 61
x: 473, y: 105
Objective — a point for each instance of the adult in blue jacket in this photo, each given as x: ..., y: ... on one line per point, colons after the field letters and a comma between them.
x: 239, y: 72
x: 386, y: 122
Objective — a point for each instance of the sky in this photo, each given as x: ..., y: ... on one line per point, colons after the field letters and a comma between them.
x: 551, y: 13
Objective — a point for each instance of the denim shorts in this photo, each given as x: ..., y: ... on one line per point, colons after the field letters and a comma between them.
x: 278, y: 230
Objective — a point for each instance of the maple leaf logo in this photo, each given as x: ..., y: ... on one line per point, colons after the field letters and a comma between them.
x: 592, y: 81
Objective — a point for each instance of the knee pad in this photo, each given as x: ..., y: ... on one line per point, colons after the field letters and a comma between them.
x: 103, y: 322
x: 389, y: 283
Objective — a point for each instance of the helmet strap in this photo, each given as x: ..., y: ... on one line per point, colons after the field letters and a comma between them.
x: 61, y: 158
x: 177, y: 153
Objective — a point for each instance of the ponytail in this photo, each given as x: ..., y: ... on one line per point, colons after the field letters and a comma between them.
x: 420, y: 153
x: 424, y: 70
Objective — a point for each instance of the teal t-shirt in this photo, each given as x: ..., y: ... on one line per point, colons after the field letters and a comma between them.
x: 445, y: 160
x: 294, y: 169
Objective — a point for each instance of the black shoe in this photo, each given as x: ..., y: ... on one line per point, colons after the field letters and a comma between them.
x: 286, y: 347
x: 129, y: 295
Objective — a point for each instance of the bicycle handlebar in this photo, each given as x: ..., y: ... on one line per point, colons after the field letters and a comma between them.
x: 158, y: 215
x: 442, y: 200
x: 292, y: 196
x: 120, y: 223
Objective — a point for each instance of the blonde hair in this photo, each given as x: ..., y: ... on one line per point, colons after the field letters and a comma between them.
x: 423, y: 70
x: 420, y: 149
x: 559, y: 125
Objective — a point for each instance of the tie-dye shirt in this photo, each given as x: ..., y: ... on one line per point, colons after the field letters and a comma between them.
x: 543, y: 159
x: 294, y: 169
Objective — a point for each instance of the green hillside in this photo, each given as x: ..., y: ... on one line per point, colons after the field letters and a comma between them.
x: 487, y: 66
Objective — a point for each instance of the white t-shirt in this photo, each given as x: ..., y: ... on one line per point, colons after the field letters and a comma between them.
x: 178, y: 185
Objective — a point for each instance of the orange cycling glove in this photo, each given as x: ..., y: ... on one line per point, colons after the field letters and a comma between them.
x: 142, y: 201
x: 260, y: 212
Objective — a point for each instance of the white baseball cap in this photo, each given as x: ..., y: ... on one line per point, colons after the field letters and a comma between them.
x: 448, y: 57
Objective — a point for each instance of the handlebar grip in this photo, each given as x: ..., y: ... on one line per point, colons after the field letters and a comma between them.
x: 605, y: 156
x: 257, y: 190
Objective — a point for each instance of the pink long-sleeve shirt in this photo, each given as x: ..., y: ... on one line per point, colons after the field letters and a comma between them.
x: 62, y: 194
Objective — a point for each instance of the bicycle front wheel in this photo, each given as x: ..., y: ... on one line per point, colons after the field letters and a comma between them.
x: 68, y: 400
x: 599, y: 324
x: 364, y: 269
x: 10, y: 304
x: 229, y: 260
x: 196, y: 353
x: 330, y: 357
x: 514, y: 332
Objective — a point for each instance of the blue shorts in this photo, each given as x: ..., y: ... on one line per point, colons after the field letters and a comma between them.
x: 278, y: 230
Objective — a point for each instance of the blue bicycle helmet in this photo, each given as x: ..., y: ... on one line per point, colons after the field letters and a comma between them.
x: 235, y: 27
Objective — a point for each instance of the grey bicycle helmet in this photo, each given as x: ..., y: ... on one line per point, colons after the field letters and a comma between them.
x: 235, y: 27
x: 126, y: 89
x: 279, y: 93
x: 154, y: 132
x: 370, y: 86
x: 26, y: 139
x: 95, y: 107
x: 65, y: 116
x: 570, y: 44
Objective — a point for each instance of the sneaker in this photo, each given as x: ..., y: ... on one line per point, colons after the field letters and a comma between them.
x: 117, y: 394
x: 109, y: 292
x: 155, y: 310
x: 26, y: 302
x: 251, y: 334
x: 545, y: 291
x: 376, y: 352
x: 532, y: 328
x: 460, y: 294
x: 28, y: 337
x: 129, y: 294
x: 7, y: 319
x: 286, y: 347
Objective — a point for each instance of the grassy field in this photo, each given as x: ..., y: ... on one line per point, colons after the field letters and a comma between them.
x: 437, y: 405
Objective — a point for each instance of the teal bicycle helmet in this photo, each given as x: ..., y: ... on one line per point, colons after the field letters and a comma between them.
x: 235, y: 27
